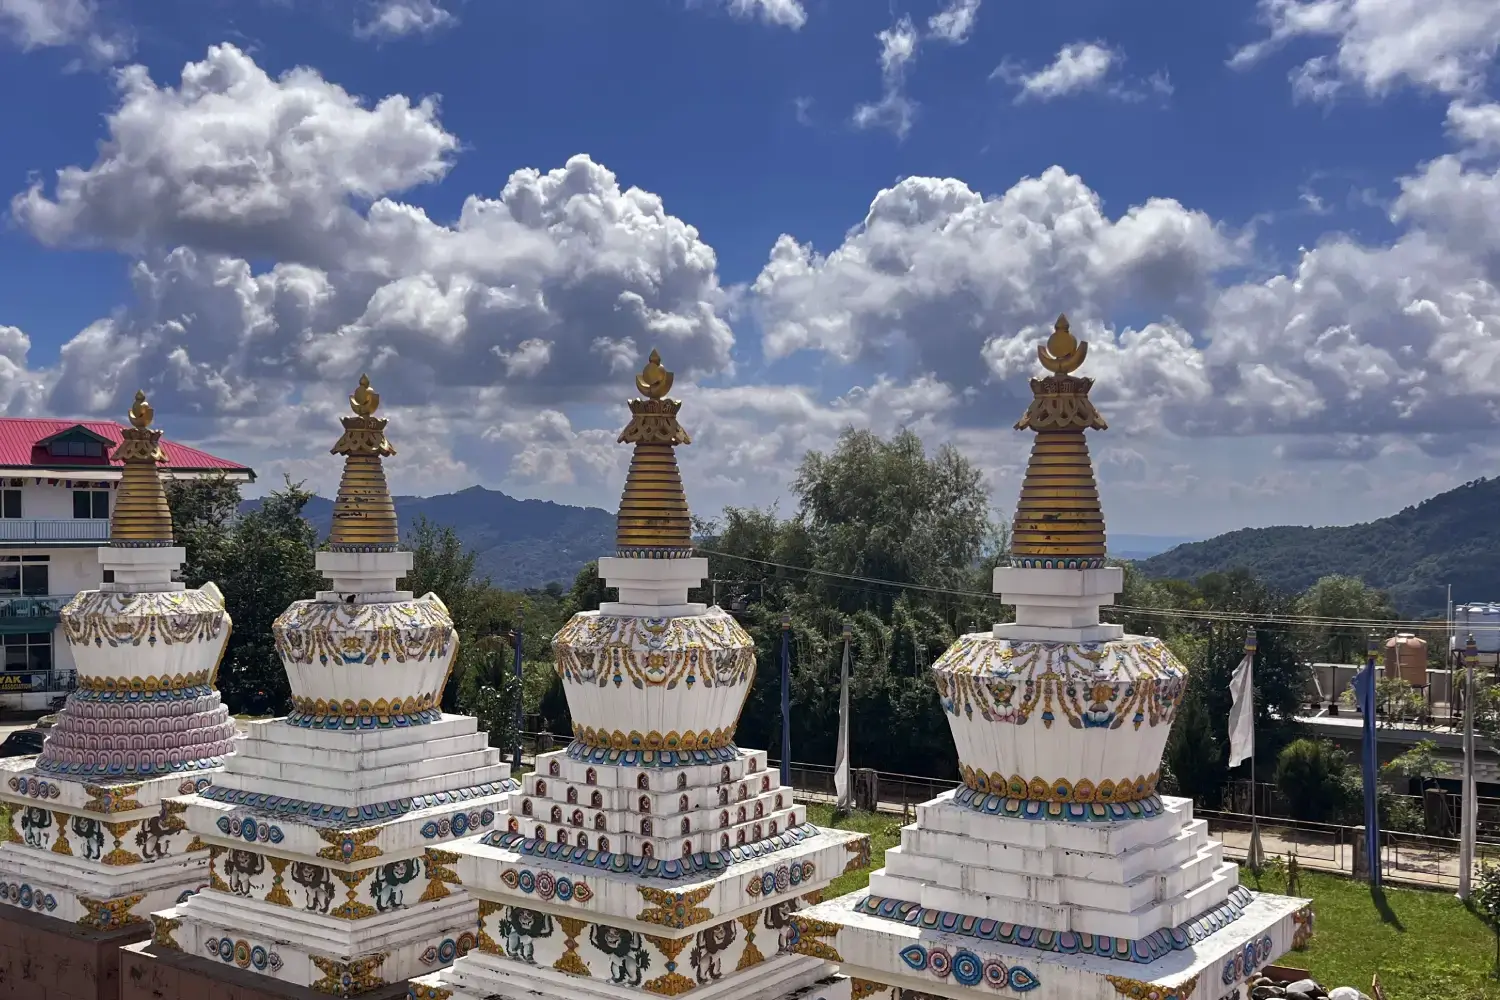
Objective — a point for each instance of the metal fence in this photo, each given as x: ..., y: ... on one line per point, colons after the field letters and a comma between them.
x: 28, y: 529
x: 31, y: 607
x: 1272, y: 805
x: 1331, y: 847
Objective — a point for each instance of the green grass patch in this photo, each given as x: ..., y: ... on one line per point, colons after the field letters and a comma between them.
x: 884, y: 831
x: 1424, y: 943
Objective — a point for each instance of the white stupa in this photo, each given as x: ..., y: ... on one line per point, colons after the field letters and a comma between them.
x: 652, y: 856
x: 93, y: 838
x: 331, y: 833
x: 1057, y: 870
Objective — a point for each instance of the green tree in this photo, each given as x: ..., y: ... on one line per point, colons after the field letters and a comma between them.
x: 491, y: 690
x: 1345, y: 598
x: 263, y: 561
x: 1421, y: 763
x: 203, y: 515
x: 885, y: 510
x: 1317, y: 779
x: 441, y: 565
x: 1192, y: 762
x: 1280, y: 674
x: 588, y: 590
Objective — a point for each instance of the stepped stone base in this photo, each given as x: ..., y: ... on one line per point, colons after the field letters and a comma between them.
x: 43, y: 958
x: 150, y: 974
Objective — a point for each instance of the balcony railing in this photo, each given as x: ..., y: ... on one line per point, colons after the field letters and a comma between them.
x: 30, y: 529
x: 12, y: 608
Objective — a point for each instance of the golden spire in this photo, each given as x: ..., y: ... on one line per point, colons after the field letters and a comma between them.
x: 141, y: 516
x: 1058, y: 522
x: 653, y: 520
x: 364, y: 518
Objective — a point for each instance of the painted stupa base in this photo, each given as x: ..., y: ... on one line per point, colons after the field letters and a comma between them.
x: 974, y: 901
x: 674, y: 874
x: 330, y: 863
x: 100, y: 856
x: 483, y: 976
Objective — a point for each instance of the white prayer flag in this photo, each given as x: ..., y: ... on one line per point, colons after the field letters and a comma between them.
x: 841, y: 763
x: 1242, y: 716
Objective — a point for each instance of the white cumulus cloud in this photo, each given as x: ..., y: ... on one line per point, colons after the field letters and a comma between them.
x: 1445, y: 46
x: 1078, y: 67
x: 41, y: 24
x: 954, y: 22
x: 785, y: 13
x: 894, y: 111
x: 391, y: 19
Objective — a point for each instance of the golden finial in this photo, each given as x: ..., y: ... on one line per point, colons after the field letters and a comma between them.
x: 141, y: 413
x: 1059, y: 524
x: 364, y: 518
x: 365, y: 400
x: 1062, y: 353
x: 654, y: 381
x: 654, y: 521
x: 141, y: 516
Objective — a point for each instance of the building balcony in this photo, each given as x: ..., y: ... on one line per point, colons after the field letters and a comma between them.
x: 53, y: 531
x: 17, y: 611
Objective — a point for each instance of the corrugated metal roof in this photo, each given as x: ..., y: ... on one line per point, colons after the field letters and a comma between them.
x: 19, y: 437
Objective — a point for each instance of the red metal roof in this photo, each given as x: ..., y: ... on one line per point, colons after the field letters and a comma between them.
x: 21, y: 437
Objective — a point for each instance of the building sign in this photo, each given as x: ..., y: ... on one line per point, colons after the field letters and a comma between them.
x: 17, y: 682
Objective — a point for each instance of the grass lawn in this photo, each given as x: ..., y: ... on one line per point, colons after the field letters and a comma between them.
x: 1425, y: 945
x: 884, y: 831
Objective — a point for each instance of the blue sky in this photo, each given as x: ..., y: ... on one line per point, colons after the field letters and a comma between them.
x: 1267, y: 216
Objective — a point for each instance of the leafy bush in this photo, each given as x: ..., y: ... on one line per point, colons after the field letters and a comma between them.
x: 1485, y: 900
x: 1317, y: 779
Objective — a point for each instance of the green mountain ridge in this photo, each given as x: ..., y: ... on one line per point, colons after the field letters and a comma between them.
x: 519, y: 543
x: 1452, y: 538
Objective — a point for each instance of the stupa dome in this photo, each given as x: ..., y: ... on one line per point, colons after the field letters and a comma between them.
x: 1058, y: 714
x: 146, y: 648
x: 357, y: 659
x: 651, y: 672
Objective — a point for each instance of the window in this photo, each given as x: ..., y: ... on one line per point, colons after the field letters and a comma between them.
x: 28, y: 652
x: 75, y: 449
x: 91, y: 504
x: 10, y: 503
x: 23, y: 575
x: 109, y: 576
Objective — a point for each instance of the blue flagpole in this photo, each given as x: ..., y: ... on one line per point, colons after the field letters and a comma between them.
x: 520, y: 701
x: 1369, y: 762
x: 786, y: 700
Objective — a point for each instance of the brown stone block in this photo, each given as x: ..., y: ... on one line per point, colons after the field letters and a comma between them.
x: 200, y: 979
x: 43, y: 957
x: 155, y: 981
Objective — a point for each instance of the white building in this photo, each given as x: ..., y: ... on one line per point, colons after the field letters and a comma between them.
x: 57, y: 485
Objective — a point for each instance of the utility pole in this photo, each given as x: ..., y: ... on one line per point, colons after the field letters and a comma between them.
x: 1469, y: 803
x: 515, y: 638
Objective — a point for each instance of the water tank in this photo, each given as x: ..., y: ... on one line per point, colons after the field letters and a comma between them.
x: 1481, y: 619
x: 1406, y: 658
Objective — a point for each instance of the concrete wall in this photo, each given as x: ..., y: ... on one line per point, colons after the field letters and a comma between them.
x: 44, y: 502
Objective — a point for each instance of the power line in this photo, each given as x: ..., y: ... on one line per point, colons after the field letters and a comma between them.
x: 1231, y: 617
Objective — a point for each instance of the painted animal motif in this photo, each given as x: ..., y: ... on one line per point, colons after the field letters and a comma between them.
x: 317, y: 883
x: 628, y: 957
x: 34, y: 825
x: 385, y: 887
x: 708, y: 951
x: 522, y: 928
x: 242, y: 867
x: 153, y: 837
x: 779, y: 919
x: 90, y: 833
